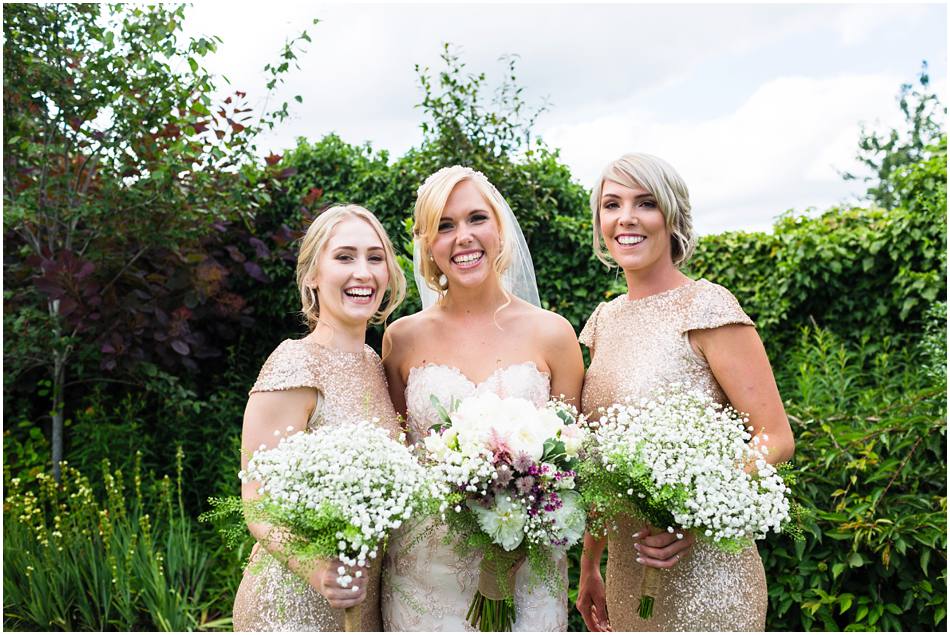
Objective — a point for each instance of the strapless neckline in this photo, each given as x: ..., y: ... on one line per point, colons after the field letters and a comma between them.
x: 448, y: 383
x: 476, y: 384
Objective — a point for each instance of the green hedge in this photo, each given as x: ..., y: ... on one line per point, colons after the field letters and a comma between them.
x: 870, y: 425
x: 853, y: 271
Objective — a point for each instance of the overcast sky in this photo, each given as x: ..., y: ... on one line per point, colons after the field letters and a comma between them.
x: 757, y: 105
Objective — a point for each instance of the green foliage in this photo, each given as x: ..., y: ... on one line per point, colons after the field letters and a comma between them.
x: 110, y: 138
x: 608, y: 495
x: 886, y: 154
x: 117, y: 162
x: 75, y: 559
x: 852, y: 271
x: 870, y: 426
x: 460, y: 123
x: 551, y: 207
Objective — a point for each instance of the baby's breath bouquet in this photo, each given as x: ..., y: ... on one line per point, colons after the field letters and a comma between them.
x: 680, y: 459
x: 506, y: 468
x: 337, y: 492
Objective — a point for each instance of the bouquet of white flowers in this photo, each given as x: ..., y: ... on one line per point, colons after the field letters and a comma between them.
x: 680, y: 459
x: 506, y: 468
x: 337, y: 492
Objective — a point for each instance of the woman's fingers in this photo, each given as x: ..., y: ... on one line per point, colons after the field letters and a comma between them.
x: 600, y: 618
x: 659, y: 564
x: 340, y: 598
x: 659, y: 540
x: 592, y: 603
x: 664, y: 549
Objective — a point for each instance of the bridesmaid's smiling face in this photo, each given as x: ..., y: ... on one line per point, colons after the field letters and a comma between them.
x: 351, y: 274
x: 634, y: 228
x: 468, y: 240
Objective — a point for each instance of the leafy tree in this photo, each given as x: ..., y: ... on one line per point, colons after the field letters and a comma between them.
x: 885, y: 153
x: 461, y: 123
x: 117, y: 160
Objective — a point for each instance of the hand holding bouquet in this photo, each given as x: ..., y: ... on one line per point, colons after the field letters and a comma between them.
x: 506, y: 468
x: 336, y: 493
x: 680, y: 459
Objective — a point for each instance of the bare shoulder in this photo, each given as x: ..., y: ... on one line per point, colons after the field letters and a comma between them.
x: 552, y: 329
x: 404, y: 336
x: 407, y: 328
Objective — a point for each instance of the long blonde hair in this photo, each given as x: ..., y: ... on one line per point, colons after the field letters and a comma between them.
x: 312, y: 245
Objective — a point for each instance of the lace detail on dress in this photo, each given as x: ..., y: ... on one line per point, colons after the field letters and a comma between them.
x: 447, y: 383
x: 427, y: 586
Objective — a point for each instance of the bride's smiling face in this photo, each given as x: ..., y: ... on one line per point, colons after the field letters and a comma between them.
x: 468, y: 238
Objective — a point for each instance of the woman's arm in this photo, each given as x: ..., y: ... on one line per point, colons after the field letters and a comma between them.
x: 563, y: 356
x: 738, y: 360
x: 268, y: 417
x: 591, y: 591
x: 739, y: 363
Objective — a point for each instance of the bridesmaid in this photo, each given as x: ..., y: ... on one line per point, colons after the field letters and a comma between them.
x: 668, y: 328
x: 345, y: 269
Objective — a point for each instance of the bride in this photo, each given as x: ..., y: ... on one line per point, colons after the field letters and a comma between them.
x: 481, y: 329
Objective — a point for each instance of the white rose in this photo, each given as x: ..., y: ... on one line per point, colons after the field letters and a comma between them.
x: 549, y: 423
x: 569, y: 519
x: 526, y: 439
x: 504, y: 522
x: 573, y: 438
x: 566, y: 483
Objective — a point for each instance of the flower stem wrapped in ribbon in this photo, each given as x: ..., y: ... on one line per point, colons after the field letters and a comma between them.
x: 682, y: 460
x: 507, y: 472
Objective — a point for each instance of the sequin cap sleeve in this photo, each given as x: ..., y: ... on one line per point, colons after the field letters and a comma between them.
x: 712, y: 306
x: 589, y: 333
x: 286, y: 368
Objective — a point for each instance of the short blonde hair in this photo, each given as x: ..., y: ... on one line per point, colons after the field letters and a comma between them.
x: 312, y: 245
x: 430, y: 203
x: 661, y: 180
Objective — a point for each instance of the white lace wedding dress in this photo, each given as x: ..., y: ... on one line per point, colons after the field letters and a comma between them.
x: 426, y: 585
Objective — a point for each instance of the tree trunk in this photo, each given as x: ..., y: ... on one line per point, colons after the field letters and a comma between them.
x: 60, y: 357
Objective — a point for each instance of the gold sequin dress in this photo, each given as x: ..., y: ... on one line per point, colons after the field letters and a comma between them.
x: 350, y: 387
x: 636, y: 347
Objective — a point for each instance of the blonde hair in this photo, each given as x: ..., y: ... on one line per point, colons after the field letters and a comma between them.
x: 661, y: 180
x: 312, y: 245
x: 430, y: 203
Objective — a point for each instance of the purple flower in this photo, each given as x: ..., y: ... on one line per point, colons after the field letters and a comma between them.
x: 504, y: 475
x: 523, y: 462
x: 524, y: 484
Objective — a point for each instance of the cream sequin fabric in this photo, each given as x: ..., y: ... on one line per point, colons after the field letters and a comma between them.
x: 638, y: 346
x: 350, y: 387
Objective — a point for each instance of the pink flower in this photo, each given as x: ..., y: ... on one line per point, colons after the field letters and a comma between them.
x: 522, y: 462
x: 504, y: 475
x: 498, y: 444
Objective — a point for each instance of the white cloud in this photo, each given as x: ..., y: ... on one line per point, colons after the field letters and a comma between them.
x: 780, y: 149
x: 755, y: 104
x: 856, y: 23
